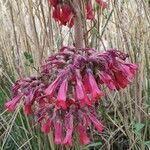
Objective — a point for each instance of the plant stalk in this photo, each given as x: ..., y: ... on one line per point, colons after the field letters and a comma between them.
x: 78, y: 25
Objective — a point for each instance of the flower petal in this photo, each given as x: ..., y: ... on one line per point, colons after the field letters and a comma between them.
x: 52, y: 87
x: 61, y: 98
x: 98, y: 125
x: 69, y: 130
x: 46, y: 126
x: 58, y: 132
x: 11, y: 105
x: 84, y: 139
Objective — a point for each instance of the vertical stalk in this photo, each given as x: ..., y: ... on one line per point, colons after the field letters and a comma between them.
x: 78, y: 27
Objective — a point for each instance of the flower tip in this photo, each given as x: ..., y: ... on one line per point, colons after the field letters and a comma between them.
x: 27, y: 109
x: 45, y: 129
x: 9, y: 105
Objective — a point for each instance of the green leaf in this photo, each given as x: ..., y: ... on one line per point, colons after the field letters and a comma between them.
x: 147, y: 143
x: 1, y: 97
x: 138, y: 127
x: 1, y: 100
x: 92, y: 145
x: 28, y: 57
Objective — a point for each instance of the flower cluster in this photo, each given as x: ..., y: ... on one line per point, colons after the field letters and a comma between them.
x: 63, y: 97
x: 63, y: 11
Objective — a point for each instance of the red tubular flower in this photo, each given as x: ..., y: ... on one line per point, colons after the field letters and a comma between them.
x: 66, y: 14
x: 61, y: 98
x: 52, y: 87
x: 58, y: 132
x: 84, y: 139
x: 69, y: 130
x: 106, y: 79
x: 89, y: 10
x: 102, y: 3
x: 46, y: 126
x: 57, y: 13
x: 121, y: 80
x: 80, y: 93
x: 11, y: 105
x: 98, y: 125
x: 129, y: 70
x: 95, y: 92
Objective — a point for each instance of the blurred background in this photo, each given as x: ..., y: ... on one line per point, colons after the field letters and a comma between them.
x: 28, y: 35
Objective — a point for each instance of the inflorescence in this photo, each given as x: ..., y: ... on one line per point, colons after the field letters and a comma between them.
x: 63, y: 97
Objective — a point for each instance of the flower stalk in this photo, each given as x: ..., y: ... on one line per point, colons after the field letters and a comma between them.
x: 78, y: 25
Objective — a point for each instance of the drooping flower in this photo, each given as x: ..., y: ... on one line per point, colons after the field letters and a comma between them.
x: 66, y: 14
x: 63, y: 13
x: 58, y: 132
x: 98, y: 125
x: 46, y: 126
x: 62, y: 93
x: 52, y: 87
x: 95, y: 92
x: 80, y: 92
x: 129, y: 70
x: 84, y: 139
x: 106, y: 79
x: 69, y: 129
x: 11, y: 105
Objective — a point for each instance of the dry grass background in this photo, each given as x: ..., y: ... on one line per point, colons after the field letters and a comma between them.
x: 26, y: 27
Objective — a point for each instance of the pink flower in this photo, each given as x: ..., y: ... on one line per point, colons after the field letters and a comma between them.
x: 61, y: 98
x: 98, y: 125
x: 89, y: 10
x: 121, y: 80
x: 52, y: 87
x: 84, y: 139
x: 106, y: 79
x: 95, y: 92
x: 46, y: 126
x: 69, y: 130
x: 80, y: 93
x: 129, y: 70
x: 102, y: 3
x: 11, y: 105
x: 58, y: 132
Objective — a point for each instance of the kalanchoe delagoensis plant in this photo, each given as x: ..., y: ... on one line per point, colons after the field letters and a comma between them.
x: 63, y: 97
